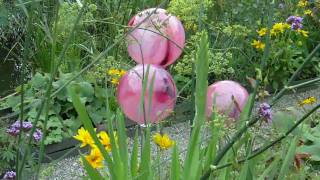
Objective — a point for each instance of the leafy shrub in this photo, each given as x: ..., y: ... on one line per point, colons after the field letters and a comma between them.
x: 62, y: 119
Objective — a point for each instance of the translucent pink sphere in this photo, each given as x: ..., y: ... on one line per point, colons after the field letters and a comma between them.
x: 146, y: 44
x: 220, y: 94
x: 164, y: 94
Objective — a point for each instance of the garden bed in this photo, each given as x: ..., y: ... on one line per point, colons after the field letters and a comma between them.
x: 180, y: 132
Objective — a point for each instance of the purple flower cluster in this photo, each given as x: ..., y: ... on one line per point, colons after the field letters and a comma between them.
x: 37, y: 135
x: 15, y: 128
x: 265, y: 112
x: 295, y: 21
x: 10, y: 175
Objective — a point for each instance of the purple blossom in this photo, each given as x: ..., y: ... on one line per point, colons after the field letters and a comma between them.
x: 26, y: 126
x: 15, y: 128
x: 13, y: 131
x: 10, y: 175
x: 265, y: 112
x: 296, y: 26
x: 295, y: 21
x: 37, y: 135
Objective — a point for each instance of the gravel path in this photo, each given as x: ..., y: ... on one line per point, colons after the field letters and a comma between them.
x: 71, y: 169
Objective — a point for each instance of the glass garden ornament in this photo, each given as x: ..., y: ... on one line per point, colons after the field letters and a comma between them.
x: 163, y: 97
x: 226, y: 97
x: 149, y: 43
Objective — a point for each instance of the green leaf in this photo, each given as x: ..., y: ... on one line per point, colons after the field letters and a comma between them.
x: 84, y: 117
x: 175, y: 165
x: 272, y: 167
x: 146, y: 157
x: 288, y: 159
x: 93, y: 173
x: 282, y: 122
x: 313, y: 150
x: 134, y: 155
x: 192, y: 161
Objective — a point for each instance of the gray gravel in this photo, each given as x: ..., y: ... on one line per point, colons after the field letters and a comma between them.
x: 71, y: 169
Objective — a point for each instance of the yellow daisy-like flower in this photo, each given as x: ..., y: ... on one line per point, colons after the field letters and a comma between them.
x: 302, y: 3
x: 279, y: 28
x: 115, y: 81
x: 95, y: 158
x: 84, y: 136
x: 262, y: 32
x: 105, y: 140
x: 309, y: 100
x: 308, y: 12
x: 303, y: 32
x: 164, y: 142
x: 122, y: 72
x: 113, y: 71
x: 258, y: 44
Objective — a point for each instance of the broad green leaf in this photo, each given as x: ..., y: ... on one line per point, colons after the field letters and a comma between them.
x: 313, y: 150
x: 282, y: 122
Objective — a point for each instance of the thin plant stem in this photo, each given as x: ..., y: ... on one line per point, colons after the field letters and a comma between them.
x: 296, y: 73
x: 279, y: 139
x: 49, y: 86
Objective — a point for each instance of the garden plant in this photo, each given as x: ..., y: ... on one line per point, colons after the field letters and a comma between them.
x: 116, y: 75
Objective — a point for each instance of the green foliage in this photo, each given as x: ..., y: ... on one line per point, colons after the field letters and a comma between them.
x: 189, y: 11
x: 311, y: 145
x: 63, y: 120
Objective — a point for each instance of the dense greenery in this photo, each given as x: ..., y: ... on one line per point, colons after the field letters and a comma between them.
x: 68, y: 48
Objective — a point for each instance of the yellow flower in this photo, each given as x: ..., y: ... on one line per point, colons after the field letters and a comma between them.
x: 113, y: 71
x: 309, y: 100
x: 279, y: 28
x: 258, y: 44
x: 262, y: 32
x: 105, y: 140
x: 164, y: 142
x: 95, y: 158
x: 302, y: 3
x: 115, y: 81
x: 303, y: 33
x: 84, y: 136
x: 122, y: 72
x: 308, y: 12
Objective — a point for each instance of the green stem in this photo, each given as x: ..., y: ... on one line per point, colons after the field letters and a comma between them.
x: 47, y: 96
x: 279, y: 139
x: 296, y: 73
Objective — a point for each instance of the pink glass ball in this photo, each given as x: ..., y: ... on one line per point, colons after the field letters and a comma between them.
x: 146, y: 44
x: 220, y: 94
x: 164, y: 94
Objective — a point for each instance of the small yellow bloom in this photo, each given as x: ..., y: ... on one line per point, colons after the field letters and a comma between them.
x: 303, y: 33
x: 84, y: 136
x: 122, y: 72
x: 95, y: 158
x: 309, y: 100
x: 308, y: 12
x: 113, y: 71
x: 115, y: 81
x: 105, y: 140
x: 262, y: 32
x: 164, y: 142
x: 258, y: 44
x: 302, y: 3
x: 279, y: 28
